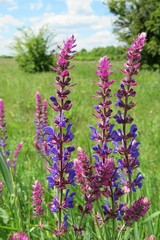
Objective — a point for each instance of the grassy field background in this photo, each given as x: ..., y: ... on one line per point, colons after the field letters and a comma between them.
x: 18, y: 90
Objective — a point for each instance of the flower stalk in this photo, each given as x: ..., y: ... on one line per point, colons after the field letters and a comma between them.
x: 128, y: 140
x: 61, y: 169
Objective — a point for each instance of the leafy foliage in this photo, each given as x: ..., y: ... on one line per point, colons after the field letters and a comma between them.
x: 114, y: 53
x: 135, y: 16
x: 33, y: 51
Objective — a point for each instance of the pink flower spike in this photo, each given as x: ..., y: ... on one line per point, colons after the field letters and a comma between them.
x: 69, y: 43
x: 19, y: 236
x: 134, y: 56
x: 103, y: 67
x: 37, y: 198
x: 41, y: 121
x: 82, y: 167
x: 16, y: 153
x: 3, y: 131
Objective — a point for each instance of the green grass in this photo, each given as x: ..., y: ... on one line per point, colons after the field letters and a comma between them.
x: 18, y: 90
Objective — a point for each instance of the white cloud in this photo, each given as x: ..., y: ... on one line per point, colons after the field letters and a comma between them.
x: 6, y: 20
x: 79, y: 7
x: 7, y: 1
x: 11, y: 4
x: 90, y: 29
x: 36, y: 6
x: 66, y: 21
x: 104, y: 38
x: 65, y: 24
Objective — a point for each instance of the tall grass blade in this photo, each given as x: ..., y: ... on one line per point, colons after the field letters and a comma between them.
x: 6, y: 174
x: 152, y: 216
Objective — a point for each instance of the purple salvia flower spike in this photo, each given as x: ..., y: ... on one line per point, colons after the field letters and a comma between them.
x: 102, y: 178
x: 61, y: 169
x: 137, y: 210
x: 127, y: 146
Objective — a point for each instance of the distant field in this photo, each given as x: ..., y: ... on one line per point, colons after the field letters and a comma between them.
x: 18, y: 90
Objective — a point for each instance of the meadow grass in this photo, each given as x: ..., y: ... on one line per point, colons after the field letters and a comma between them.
x: 18, y: 90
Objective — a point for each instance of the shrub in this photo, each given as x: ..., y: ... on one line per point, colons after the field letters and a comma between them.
x: 33, y: 52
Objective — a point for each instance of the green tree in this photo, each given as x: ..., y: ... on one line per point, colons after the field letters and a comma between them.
x: 135, y: 16
x: 33, y: 51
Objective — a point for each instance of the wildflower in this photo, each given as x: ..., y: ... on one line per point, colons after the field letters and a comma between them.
x: 41, y: 121
x: 124, y: 141
x: 62, y: 228
x: 61, y: 171
x: 88, y: 181
x: 83, y: 169
x: 68, y: 201
x: 37, y: 198
x: 137, y: 182
x: 19, y: 236
x: 16, y: 153
x: 103, y: 177
x: 3, y: 131
x: 102, y: 72
x: 54, y: 205
x: 137, y: 210
x: 55, y: 141
x: 133, y: 59
x: 106, y: 171
x: 117, y: 212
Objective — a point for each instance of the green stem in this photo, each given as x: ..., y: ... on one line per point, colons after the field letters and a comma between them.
x: 113, y: 210
x: 125, y: 146
x: 42, y: 237
x: 61, y: 171
x: 17, y: 206
x: 83, y: 213
x: 120, y: 232
x: 9, y: 228
x: 80, y: 223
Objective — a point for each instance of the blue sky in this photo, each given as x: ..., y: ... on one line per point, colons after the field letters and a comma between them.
x: 89, y: 20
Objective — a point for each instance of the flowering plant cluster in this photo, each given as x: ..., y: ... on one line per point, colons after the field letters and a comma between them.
x: 108, y: 178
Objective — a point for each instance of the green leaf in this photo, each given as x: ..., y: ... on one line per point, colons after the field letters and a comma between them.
x: 152, y: 216
x: 6, y: 174
x: 136, y: 232
x: 4, y: 216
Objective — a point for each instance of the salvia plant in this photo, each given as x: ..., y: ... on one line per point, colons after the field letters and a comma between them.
x: 100, y: 186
